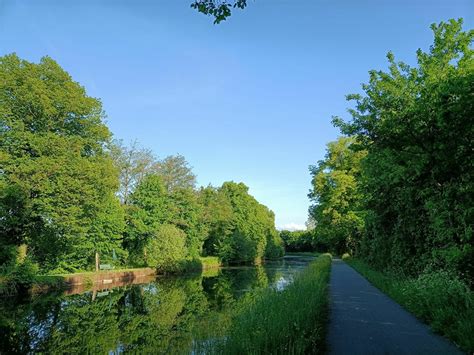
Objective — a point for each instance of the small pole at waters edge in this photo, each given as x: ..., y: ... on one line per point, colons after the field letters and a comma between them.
x: 96, y: 261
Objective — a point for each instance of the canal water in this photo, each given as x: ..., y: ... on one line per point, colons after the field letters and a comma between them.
x: 164, y: 316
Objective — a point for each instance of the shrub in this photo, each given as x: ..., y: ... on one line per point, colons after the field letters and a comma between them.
x: 346, y: 256
x: 167, y: 249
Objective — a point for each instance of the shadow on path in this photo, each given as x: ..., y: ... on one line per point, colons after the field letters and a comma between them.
x: 363, y: 320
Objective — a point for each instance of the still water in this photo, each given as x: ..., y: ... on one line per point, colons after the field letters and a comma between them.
x: 164, y: 316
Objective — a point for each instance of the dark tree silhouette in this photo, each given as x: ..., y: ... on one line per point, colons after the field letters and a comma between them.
x: 220, y: 9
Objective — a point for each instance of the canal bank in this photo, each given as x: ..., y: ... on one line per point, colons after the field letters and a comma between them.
x: 169, y: 314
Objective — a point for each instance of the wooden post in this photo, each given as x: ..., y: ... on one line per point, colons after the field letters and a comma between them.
x: 96, y: 261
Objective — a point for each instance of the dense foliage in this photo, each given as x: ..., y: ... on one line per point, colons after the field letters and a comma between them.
x: 57, y: 181
x: 401, y: 195
x: 337, y: 199
x: 71, y: 197
x: 299, y: 241
x: 239, y: 228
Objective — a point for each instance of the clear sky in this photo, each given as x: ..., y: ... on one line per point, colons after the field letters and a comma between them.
x: 248, y: 100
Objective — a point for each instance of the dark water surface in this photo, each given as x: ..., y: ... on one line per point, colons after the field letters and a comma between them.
x: 165, y: 316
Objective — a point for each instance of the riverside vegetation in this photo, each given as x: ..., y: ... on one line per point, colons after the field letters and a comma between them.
x: 173, y: 314
x: 71, y: 197
x: 289, y: 322
x: 396, y: 191
x: 394, y: 194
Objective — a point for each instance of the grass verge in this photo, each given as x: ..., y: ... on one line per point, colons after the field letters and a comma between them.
x: 292, y: 321
x: 438, y: 298
x: 210, y: 262
x: 302, y: 253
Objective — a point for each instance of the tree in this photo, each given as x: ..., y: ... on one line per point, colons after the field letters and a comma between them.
x: 152, y: 205
x: 148, y: 210
x: 336, y: 196
x: 217, y: 219
x: 56, y: 177
x: 244, y: 237
x: 175, y: 172
x: 185, y: 214
x: 416, y: 125
x: 298, y: 241
x: 134, y: 163
x: 218, y: 8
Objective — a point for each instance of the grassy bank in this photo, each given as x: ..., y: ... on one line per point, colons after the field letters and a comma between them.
x: 302, y: 253
x: 210, y: 262
x: 292, y: 321
x: 438, y: 298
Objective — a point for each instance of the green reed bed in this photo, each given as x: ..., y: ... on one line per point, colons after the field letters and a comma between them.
x: 292, y: 321
x: 439, y: 298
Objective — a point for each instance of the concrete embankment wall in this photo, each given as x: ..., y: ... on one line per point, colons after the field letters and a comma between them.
x: 105, y: 280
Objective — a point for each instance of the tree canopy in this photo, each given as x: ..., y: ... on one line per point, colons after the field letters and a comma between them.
x: 57, y: 178
x: 413, y: 190
x: 336, y: 196
x: 219, y: 9
x: 69, y: 193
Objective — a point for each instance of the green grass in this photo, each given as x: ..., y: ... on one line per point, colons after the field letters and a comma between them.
x: 210, y: 262
x: 438, y: 298
x: 303, y: 253
x: 292, y: 321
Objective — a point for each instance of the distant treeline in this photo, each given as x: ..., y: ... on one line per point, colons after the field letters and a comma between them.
x: 398, y: 190
x: 70, y: 194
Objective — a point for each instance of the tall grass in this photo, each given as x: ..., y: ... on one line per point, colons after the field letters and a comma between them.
x: 292, y: 321
x: 438, y: 298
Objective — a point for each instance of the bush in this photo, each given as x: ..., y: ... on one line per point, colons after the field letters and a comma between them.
x: 210, y: 262
x: 167, y: 249
x: 346, y: 256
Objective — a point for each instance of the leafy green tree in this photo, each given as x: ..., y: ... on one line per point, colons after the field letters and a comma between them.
x: 219, y: 9
x: 56, y: 176
x: 175, y: 172
x: 134, y: 163
x: 275, y: 246
x: 185, y: 213
x: 152, y: 206
x: 300, y: 241
x: 166, y: 250
x: 217, y: 220
x: 147, y: 211
x: 246, y: 236
x: 337, y: 200
x: 416, y: 124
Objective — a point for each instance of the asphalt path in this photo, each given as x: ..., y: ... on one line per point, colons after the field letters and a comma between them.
x: 363, y: 320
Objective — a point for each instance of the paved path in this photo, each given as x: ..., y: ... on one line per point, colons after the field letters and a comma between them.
x: 363, y: 320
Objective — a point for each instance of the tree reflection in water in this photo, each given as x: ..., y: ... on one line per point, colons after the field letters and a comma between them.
x: 170, y: 315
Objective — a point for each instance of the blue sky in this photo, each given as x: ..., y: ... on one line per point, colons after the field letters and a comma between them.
x: 248, y: 100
